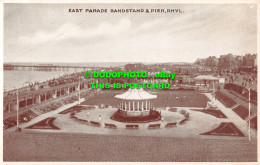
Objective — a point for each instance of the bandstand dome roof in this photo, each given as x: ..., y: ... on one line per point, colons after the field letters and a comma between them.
x: 136, y: 94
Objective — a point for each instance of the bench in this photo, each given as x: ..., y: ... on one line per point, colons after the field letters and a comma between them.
x: 131, y: 126
x: 81, y: 120
x: 183, y: 121
x: 110, y: 125
x: 153, y: 126
x: 95, y: 123
x: 168, y: 125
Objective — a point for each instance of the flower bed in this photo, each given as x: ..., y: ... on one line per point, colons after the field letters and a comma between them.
x: 183, y: 121
x: 241, y: 111
x: 107, y: 125
x: 74, y: 108
x: 27, y: 116
x: 225, y: 129
x: 94, y: 123
x: 10, y: 122
x: 242, y: 91
x: 168, y: 125
x: 228, y: 102
x: 254, y: 123
x: 154, y: 126
x: 24, y: 117
x: 216, y: 113
x: 44, y: 124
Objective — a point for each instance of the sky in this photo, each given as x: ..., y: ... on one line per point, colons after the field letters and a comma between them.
x: 49, y: 33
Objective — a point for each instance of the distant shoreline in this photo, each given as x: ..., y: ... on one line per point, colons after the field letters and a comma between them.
x: 92, y: 64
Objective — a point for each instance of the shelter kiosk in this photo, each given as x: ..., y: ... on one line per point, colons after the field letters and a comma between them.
x: 135, y: 102
x: 207, y: 81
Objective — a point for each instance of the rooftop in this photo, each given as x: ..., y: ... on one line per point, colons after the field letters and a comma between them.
x: 206, y: 77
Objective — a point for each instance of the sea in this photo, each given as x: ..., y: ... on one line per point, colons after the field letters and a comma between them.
x: 19, y: 78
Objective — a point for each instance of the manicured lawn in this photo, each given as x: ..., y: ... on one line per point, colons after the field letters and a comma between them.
x: 102, y: 98
x: 180, y: 99
x: 164, y: 99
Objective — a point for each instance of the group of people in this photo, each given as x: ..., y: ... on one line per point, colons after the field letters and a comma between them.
x: 74, y: 77
x: 242, y: 79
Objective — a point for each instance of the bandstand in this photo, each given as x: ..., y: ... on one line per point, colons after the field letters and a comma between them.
x: 135, y: 102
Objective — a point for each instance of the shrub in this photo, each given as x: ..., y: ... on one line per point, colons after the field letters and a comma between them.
x: 183, y: 112
x: 186, y: 115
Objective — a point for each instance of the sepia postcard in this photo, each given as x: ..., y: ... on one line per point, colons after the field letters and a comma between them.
x: 133, y: 82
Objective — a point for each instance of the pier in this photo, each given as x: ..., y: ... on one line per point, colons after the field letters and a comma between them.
x: 45, y: 67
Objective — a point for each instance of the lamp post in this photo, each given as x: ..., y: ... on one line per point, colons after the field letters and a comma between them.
x: 17, y: 112
x: 79, y: 90
x: 249, y: 116
x: 230, y: 64
x: 214, y: 89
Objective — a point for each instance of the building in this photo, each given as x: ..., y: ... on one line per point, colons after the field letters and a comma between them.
x: 135, y: 102
x: 209, y: 81
x: 249, y: 60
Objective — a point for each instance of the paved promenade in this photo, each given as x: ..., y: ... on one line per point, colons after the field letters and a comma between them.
x: 198, y: 123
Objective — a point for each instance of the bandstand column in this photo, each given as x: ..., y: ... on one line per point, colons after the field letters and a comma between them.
x: 133, y: 105
x: 125, y: 106
x: 142, y: 105
x: 129, y: 105
x: 39, y: 98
